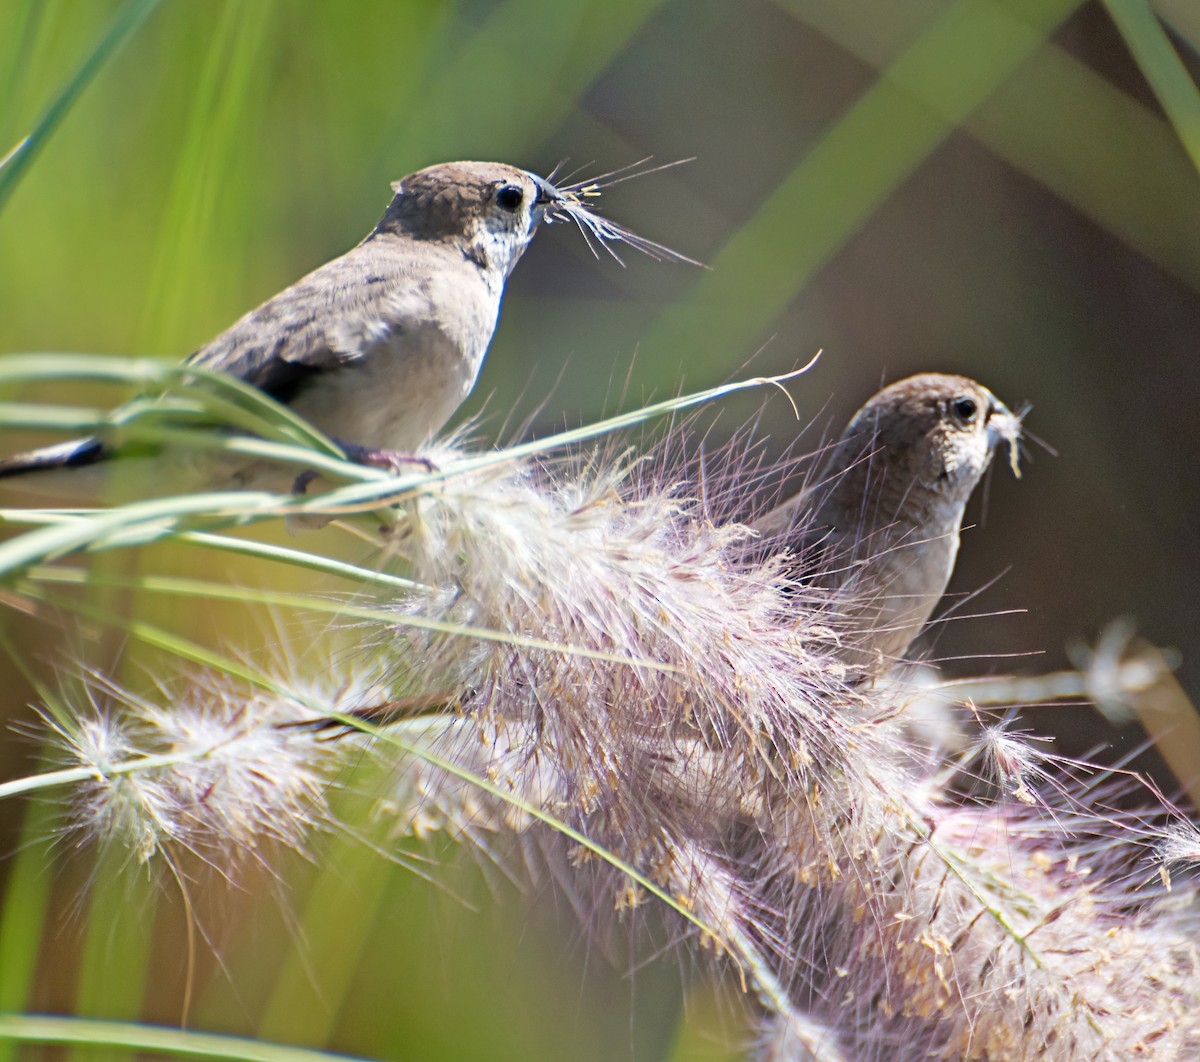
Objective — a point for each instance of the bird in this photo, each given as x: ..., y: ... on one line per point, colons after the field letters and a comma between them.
x: 379, y: 347
x: 877, y: 535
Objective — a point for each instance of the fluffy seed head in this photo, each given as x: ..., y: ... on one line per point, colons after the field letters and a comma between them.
x: 603, y: 649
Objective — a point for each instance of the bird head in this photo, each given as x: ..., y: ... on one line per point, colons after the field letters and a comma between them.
x: 489, y: 209
x: 923, y: 439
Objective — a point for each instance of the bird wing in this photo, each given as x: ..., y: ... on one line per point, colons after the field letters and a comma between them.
x: 326, y: 320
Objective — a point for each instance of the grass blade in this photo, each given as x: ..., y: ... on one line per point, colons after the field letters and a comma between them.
x: 964, y: 56
x: 49, y: 1029
x: 342, y: 609
x: 14, y: 165
x: 1163, y: 69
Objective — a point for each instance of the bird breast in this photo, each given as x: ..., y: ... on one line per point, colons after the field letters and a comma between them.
x: 408, y: 368
x: 893, y: 591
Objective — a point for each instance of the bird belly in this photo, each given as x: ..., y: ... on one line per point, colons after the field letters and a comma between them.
x: 395, y: 396
x: 887, y: 603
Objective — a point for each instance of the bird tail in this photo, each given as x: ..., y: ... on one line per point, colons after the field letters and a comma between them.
x: 72, y: 454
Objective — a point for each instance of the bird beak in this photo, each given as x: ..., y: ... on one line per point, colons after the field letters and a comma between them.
x: 548, y: 198
x: 1004, y: 426
x: 547, y: 193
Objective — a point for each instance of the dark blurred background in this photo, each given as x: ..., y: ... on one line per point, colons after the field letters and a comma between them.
x: 989, y: 188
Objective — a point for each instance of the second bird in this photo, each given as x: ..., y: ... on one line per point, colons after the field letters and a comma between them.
x: 379, y: 347
x: 878, y: 533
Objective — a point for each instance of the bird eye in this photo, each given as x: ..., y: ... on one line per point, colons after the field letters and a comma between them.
x: 965, y: 408
x: 509, y: 197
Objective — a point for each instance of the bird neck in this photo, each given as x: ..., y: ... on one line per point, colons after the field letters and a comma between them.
x: 424, y: 217
x: 494, y: 254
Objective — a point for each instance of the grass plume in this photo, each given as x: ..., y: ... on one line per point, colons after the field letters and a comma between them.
x: 589, y: 654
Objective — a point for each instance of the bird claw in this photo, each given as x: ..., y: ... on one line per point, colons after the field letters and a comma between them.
x: 392, y: 461
x: 301, y: 483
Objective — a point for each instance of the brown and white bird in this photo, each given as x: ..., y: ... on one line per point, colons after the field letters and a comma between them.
x: 379, y: 347
x: 880, y: 528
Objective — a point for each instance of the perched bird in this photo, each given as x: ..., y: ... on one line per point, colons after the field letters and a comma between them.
x: 879, y: 529
x: 379, y: 347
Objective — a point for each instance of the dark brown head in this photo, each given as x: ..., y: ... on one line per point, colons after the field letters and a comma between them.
x: 491, y: 209
x: 921, y: 441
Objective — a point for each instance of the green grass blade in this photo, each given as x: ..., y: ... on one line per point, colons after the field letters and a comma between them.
x: 392, y: 736
x: 1065, y: 126
x: 369, y: 495
x: 296, y: 558
x: 26, y: 900
x: 1163, y: 69
x: 42, y: 780
x: 544, y: 54
x: 177, y: 646
x: 346, y: 610
x: 972, y: 49
x: 137, y: 372
x: 220, y: 121
x: 271, y: 412
x: 47, y: 543
x: 182, y: 1043
x: 1183, y: 16
x: 221, y: 396
x: 146, y: 521
x: 17, y: 162
x: 115, y: 962
x: 43, y: 417
x: 353, y: 882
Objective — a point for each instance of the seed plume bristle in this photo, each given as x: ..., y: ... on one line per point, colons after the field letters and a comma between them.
x: 573, y: 205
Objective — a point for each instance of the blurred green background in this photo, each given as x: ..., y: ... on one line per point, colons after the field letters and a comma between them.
x: 992, y: 187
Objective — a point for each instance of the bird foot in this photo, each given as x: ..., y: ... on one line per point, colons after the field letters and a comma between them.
x: 393, y: 461
x: 301, y: 483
